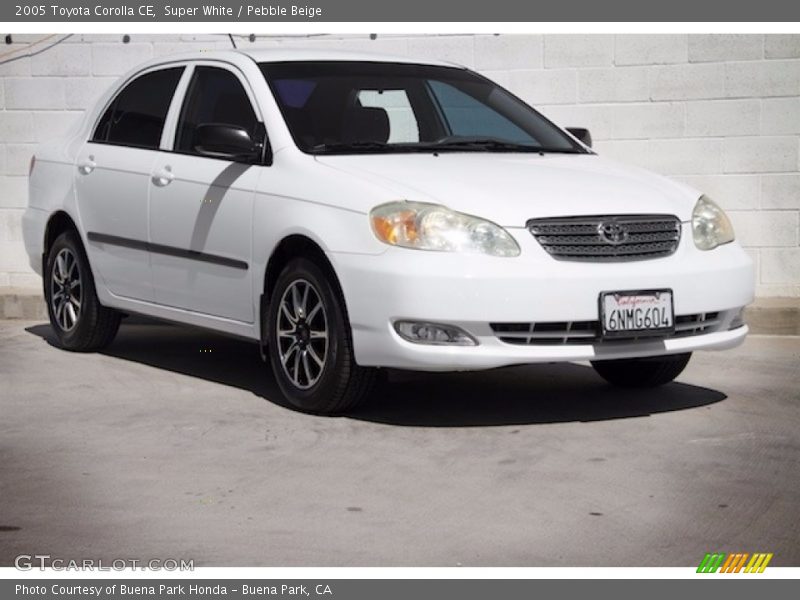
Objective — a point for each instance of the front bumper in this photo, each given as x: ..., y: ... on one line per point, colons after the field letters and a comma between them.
x: 473, y: 291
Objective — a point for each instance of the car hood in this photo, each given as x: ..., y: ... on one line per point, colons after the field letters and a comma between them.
x: 509, y: 189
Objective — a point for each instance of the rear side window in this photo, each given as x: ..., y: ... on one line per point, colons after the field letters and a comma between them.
x: 214, y: 96
x: 136, y: 116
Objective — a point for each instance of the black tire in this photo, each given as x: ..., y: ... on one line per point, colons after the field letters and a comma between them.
x: 93, y: 326
x: 339, y: 384
x: 642, y: 372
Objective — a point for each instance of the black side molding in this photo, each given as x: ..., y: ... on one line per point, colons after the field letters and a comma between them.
x: 103, y: 238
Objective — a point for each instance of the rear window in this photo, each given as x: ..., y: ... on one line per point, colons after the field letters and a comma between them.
x: 136, y: 116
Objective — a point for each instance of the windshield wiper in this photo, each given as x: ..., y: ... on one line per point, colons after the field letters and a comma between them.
x: 336, y: 147
x: 493, y: 145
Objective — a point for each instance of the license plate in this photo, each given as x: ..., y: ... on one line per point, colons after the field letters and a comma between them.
x: 628, y: 314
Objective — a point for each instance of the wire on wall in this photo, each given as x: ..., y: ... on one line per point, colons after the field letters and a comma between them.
x: 28, y: 47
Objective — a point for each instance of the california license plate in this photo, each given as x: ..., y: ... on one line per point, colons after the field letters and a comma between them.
x: 630, y: 314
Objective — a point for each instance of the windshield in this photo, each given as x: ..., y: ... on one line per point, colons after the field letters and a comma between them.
x: 347, y: 107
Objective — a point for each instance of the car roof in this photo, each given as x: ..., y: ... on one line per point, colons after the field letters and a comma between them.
x: 313, y: 54
x: 262, y: 55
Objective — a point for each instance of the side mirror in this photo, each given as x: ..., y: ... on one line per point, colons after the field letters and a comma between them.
x: 220, y: 140
x: 582, y: 134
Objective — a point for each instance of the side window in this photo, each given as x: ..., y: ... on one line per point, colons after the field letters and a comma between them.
x: 214, y: 96
x: 136, y: 116
x: 403, y: 126
x: 469, y: 117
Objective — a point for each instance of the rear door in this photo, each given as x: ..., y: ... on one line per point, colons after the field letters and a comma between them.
x: 113, y: 181
x: 201, y: 207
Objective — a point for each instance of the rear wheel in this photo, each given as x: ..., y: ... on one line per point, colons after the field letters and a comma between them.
x: 311, y: 349
x: 78, y: 319
x: 642, y: 372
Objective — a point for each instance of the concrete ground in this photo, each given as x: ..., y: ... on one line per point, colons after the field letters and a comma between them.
x: 171, y: 445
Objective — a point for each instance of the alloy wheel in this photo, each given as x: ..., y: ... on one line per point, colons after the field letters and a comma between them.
x: 66, y: 290
x: 302, y: 333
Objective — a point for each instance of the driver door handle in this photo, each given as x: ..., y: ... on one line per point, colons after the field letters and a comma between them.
x: 163, y: 177
x: 86, y: 165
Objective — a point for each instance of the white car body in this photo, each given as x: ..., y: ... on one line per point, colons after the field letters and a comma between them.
x: 115, y: 191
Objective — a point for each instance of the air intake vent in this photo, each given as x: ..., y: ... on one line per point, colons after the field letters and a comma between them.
x: 588, y: 332
x: 608, y: 238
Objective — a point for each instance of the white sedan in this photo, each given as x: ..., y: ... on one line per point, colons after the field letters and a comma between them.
x: 351, y: 212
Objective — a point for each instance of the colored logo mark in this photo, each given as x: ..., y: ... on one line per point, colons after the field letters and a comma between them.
x: 734, y: 563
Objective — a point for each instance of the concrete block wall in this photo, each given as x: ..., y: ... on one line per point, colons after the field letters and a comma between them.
x: 721, y: 112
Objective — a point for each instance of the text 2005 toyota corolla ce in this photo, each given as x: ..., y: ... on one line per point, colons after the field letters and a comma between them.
x: 351, y: 212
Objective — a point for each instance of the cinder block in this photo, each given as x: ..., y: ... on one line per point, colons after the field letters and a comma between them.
x: 549, y: 86
x: 780, y: 116
x: 50, y: 124
x: 628, y: 84
x: 11, y: 225
x: 360, y: 43
x: 765, y: 229
x: 16, y: 126
x: 82, y: 92
x: 780, y: 265
x: 499, y: 52
x: 731, y: 192
x: 782, y: 46
x: 685, y: 157
x: 762, y: 78
x: 25, y: 281
x: 780, y: 190
x: 775, y: 315
x: 459, y: 49
x: 33, y: 93
x: 578, y: 51
x: 722, y: 118
x: 13, y: 192
x: 63, y: 60
x: 18, y: 158
x: 598, y: 118
x: 16, y: 63
x: 22, y: 303
x: 687, y: 82
x: 3, y: 158
x: 651, y: 120
x: 760, y: 154
x: 116, y: 59
x: 649, y: 49
x: 725, y: 47
x: 13, y: 257
x: 169, y: 48
x: 630, y: 152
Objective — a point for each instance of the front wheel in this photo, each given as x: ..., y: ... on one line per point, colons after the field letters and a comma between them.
x: 642, y: 372
x: 311, y: 350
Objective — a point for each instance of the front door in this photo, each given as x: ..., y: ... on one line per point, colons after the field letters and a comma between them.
x: 201, y: 208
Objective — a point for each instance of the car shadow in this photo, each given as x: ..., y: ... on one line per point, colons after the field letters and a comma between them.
x: 522, y: 395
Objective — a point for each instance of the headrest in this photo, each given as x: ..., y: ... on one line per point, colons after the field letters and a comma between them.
x: 366, y: 124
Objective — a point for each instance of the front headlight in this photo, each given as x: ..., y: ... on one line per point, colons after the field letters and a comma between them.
x: 710, y: 225
x: 433, y: 227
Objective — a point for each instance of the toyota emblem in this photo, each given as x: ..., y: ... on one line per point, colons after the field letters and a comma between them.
x: 612, y: 233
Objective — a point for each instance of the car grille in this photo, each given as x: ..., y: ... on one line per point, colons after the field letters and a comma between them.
x: 609, y: 237
x: 588, y: 332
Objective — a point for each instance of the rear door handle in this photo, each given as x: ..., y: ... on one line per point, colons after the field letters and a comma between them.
x: 87, y: 165
x: 163, y: 177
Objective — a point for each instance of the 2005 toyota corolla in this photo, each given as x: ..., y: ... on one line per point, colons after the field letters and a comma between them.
x: 352, y: 212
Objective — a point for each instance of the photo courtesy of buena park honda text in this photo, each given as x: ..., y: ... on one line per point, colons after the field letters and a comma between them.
x: 359, y: 299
